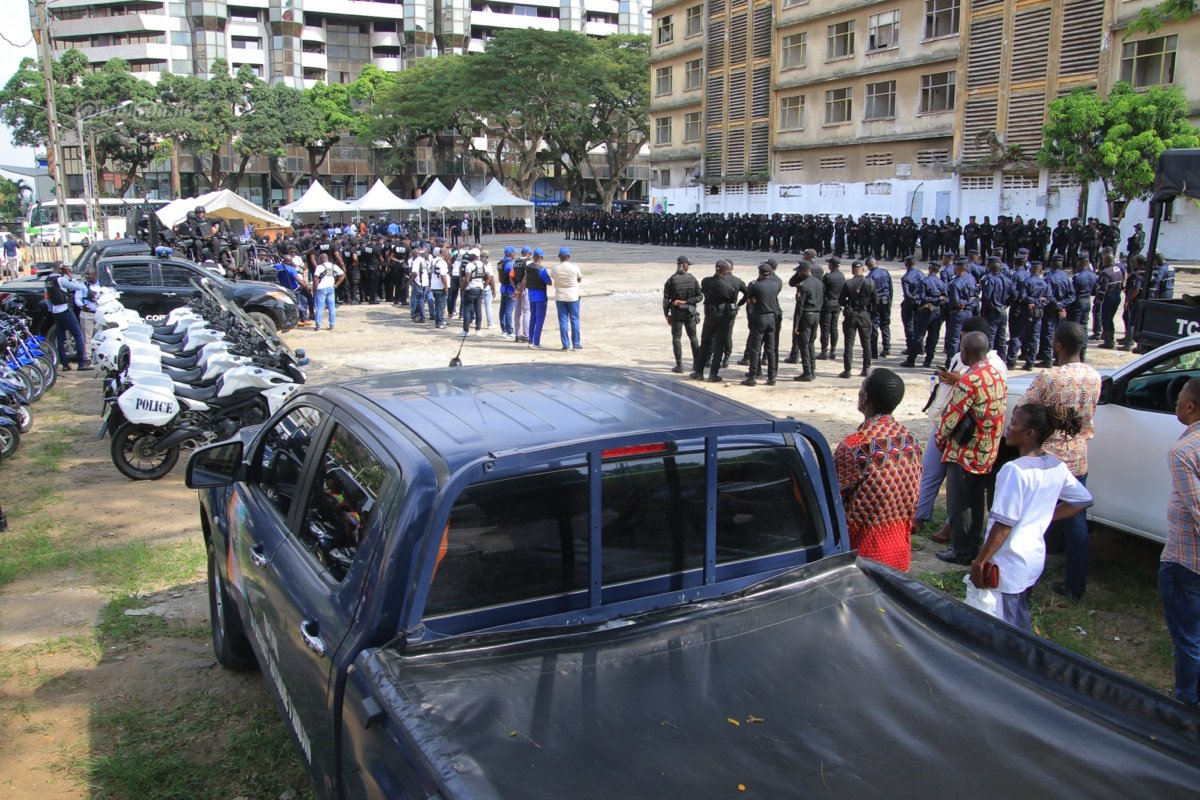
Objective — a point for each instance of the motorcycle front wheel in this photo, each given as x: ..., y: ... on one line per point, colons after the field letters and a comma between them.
x: 24, y: 419
x: 133, y: 455
x: 10, y: 440
x: 36, y: 381
x: 48, y: 370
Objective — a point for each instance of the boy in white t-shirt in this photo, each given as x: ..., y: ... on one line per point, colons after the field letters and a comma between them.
x: 1031, y: 490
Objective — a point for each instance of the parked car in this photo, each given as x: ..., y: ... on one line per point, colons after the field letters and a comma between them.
x: 1135, y: 425
x: 600, y: 583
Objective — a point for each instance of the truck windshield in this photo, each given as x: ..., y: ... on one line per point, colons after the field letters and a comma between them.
x: 522, y: 538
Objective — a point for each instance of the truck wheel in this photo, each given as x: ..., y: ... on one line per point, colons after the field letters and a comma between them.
x: 264, y: 320
x: 230, y: 644
x: 132, y: 456
x: 10, y: 440
x: 68, y: 343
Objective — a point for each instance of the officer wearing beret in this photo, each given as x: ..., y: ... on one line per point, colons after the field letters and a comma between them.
x: 762, y: 298
x: 857, y: 299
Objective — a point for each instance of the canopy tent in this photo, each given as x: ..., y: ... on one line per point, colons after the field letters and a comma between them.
x: 460, y: 199
x: 431, y: 198
x: 494, y: 195
x: 381, y: 198
x: 316, y: 201
x: 224, y: 204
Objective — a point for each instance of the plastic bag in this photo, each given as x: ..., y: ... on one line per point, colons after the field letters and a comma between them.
x: 986, y: 600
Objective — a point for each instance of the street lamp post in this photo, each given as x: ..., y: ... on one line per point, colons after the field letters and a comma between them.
x: 41, y: 31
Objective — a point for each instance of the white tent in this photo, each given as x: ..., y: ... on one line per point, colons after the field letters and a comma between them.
x: 224, y: 204
x: 494, y: 195
x: 381, y: 198
x: 316, y: 201
x: 431, y: 198
x: 460, y: 199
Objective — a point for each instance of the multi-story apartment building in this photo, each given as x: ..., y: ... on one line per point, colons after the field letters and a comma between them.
x: 303, y: 42
x: 924, y: 108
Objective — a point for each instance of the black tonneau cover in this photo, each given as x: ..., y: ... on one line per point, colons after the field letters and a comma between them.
x: 845, y: 681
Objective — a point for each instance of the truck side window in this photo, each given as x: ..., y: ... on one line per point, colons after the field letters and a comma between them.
x: 1158, y: 387
x: 178, y: 277
x: 342, y: 501
x: 281, y: 460
x: 523, y: 538
x: 131, y: 275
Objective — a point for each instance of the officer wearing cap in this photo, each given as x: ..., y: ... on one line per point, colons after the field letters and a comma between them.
x: 930, y: 313
x: 962, y: 303
x: 910, y: 301
x: 996, y: 293
x: 810, y: 297
x: 881, y: 314
x: 858, y: 297
x: 833, y: 281
x: 1084, y: 281
x: 1135, y: 243
x: 520, y: 296
x: 566, y: 278
x: 762, y: 300
x: 681, y: 296
x: 504, y: 278
x: 1062, y: 295
x: 1033, y: 299
x: 721, y: 291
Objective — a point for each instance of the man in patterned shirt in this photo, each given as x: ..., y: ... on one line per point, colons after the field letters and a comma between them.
x: 879, y: 471
x: 1179, y: 570
x: 1069, y: 384
x: 979, y: 393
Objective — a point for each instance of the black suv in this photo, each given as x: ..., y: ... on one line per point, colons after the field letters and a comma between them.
x: 152, y: 286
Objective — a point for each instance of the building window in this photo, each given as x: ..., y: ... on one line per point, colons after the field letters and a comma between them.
x: 883, y: 30
x: 1150, y: 62
x: 795, y: 50
x: 662, y: 130
x: 662, y: 80
x: 839, y: 106
x: 695, y: 21
x: 693, y: 74
x: 937, y: 92
x: 941, y: 18
x: 880, y: 101
x: 246, y: 43
x: 666, y: 31
x: 840, y: 40
x: 791, y: 113
x: 691, y: 127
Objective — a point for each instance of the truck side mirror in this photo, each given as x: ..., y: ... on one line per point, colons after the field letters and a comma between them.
x: 215, y: 465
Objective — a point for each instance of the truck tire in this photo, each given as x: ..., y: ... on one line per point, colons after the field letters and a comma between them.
x: 131, y: 456
x: 10, y: 440
x: 68, y: 343
x: 229, y: 641
x: 264, y: 320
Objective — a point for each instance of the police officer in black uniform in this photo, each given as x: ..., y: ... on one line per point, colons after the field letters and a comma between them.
x: 833, y: 281
x: 762, y: 297
x: 681, y: 294
x: 857, y: 299
x: 810, y: 297
x: 720, y: 291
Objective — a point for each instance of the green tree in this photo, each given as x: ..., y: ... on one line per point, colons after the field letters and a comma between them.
x: 1116, y: 140
x: 10, y: 199
x: 23, y: 99
x: 1151, y: 19
x: 125, y: 140
x: 202, y: 115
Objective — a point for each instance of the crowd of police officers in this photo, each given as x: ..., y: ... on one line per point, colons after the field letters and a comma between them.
x: 1071, y: 273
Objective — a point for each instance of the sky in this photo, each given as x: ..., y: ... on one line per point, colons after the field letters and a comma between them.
x: 15, y: 32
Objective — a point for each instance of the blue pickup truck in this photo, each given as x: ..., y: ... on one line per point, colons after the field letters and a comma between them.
x: 531, y: 581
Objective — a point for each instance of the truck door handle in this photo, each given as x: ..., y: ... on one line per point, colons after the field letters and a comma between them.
x: 308, y: 633
x: 169, y: 294
x: 257, y: 558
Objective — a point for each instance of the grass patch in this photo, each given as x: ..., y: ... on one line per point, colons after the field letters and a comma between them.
x: 948, y: 581
x: 116, y: 626
x: 119, y: 570
x: 27, y: 663
x: 47, y: 451
x: 155, y: 754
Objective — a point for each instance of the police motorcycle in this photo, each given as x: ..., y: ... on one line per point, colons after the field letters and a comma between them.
x: 153, y: 414
x: 24, y: 357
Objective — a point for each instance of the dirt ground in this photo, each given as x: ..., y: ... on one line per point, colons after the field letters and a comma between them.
x: 47, y: 703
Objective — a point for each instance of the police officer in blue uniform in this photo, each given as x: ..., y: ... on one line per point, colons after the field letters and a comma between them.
x: 881, y: 314
x: 1062, y: 295
x: 1108, y: 295
x: 1034, y: 297
x: 1018, y: 312
x: 1084, y: 281
x: 910, y: 301
x: 928, y: 323
x: 996, y: 293
x: 1162, y: 282
x: 962, y: 303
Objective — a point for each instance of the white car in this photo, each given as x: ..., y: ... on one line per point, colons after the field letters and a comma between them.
x: 1135, y: 426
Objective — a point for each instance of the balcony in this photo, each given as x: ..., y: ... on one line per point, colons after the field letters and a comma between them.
x: 247, y: 29
x: 491, y: 19
x: 361, y: 9
x: 129, y: 52
x: 388, y: 63
x: 237, y: 57
x: 314, y: 61
x: 386, y: 39
x: 599, y: 28
x: 602, y: 6
x: 121, y: 23
x: 311, y: 34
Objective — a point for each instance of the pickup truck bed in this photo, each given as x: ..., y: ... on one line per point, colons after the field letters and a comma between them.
x: 845, y: 679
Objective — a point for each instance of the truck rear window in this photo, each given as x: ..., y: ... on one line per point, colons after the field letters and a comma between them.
x: 522, y: 538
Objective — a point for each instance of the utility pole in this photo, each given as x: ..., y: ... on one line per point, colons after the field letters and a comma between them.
x: 41, y: 33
